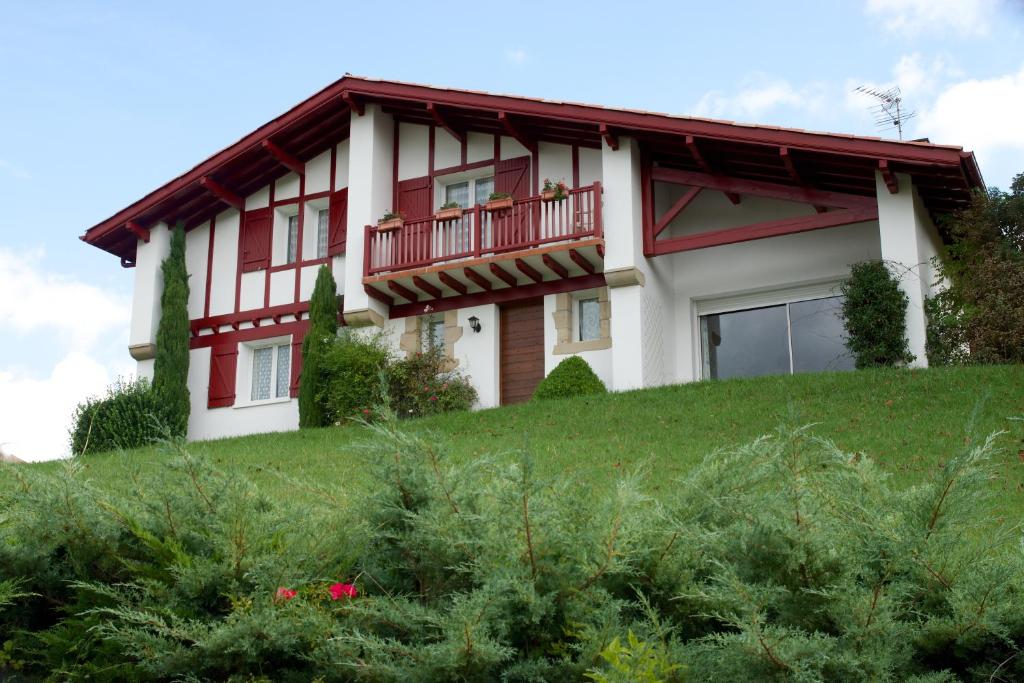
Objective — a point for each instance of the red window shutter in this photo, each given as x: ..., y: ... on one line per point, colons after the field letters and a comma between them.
x: 293, y: 388
x: 223, y: 365
x: 257, y: 226
x: 414, y: 198
x: 337, y: 220
x: 512, y: 176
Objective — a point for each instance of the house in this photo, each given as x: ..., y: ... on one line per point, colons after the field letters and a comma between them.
x: 680, y: 249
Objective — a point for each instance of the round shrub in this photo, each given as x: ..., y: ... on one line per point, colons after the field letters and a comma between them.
x: 424, y: 384
x: 351, y: 370
x: 572, y: 377
x: 129, y: 416
x: 875, y: 316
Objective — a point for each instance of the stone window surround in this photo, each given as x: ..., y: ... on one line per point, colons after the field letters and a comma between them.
x: 411, y: 340
x: 564, y: 318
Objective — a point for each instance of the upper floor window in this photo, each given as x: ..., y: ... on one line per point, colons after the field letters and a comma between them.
x: 321, y: 233
x: 293, y: 239
x: 271, y: 370
x: 468, y: 193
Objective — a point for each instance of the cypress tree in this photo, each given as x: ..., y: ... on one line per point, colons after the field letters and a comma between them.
x: 323, y: 329
x: 170, y: 368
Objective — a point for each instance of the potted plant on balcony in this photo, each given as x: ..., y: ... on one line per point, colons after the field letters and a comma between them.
x: 449, y: 211
x: 554, y: 192
x: 392, y: 220
x: 498, y: 201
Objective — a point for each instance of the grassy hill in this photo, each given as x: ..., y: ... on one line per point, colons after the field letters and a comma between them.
x: 911, y: 422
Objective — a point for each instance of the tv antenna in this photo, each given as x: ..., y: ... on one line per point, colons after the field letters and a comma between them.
x: 888, y: 112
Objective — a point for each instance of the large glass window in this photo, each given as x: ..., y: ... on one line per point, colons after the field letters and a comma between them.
x: 802, y: 336
x: 271, y: 372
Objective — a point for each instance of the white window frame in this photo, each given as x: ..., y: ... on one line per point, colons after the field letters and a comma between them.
x: 246, y: 359
x: 279, y: 252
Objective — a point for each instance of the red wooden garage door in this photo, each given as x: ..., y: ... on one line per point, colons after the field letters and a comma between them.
x: 522, y: 349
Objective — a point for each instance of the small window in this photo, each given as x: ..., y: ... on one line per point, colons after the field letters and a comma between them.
x: 589, y: 316
x: 293, y: 239
x: 458, y: 193
x: 469, y: 192
x: 321, y: 233
x: 435, y: 334
x: 483, y: 187
x: 271, y: 372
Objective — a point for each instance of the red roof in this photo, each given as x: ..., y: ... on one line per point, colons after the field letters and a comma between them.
x: 944, y: 175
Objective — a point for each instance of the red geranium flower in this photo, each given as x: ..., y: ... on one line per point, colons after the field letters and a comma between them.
x: 285, y: 593
x: 340, y: 590
x: 433, y: 398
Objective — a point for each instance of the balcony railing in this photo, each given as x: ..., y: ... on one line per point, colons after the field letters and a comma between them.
x: 529, y: 223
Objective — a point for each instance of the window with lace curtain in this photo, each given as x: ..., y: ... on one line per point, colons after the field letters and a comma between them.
x: 322, y: 227
x: 271, y: 372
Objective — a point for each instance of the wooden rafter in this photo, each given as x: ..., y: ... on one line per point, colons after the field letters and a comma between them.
x: 554, y: 266
x: 516, y: 133
x: 426, y: 286
x: 478, y: 279
x: 450, y: 282
x: 888, y: 176
x: 529, y: 271
x: 287, y: 160
x: 698, y: 157
x: 354, y: 103
x: 221, y: 192
x: 137, y: 230
x: 441, y: 120
x: 610, y: 138
x: 787, y: 161
x: 676, y: 209
x: 375, y: 293
x: 402, y: 291
x: 502, y: 274
x: 581, y: 261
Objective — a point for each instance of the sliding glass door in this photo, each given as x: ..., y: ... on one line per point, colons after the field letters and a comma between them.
x: 800, y: 336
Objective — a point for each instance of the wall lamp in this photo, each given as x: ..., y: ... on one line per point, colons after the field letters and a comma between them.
x: 474, y: 323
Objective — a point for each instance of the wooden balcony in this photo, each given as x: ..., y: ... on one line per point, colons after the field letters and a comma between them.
x: 534, y: 243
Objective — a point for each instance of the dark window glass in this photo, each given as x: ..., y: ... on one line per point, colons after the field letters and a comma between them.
x: 819, y: 338
x: 745, y: 343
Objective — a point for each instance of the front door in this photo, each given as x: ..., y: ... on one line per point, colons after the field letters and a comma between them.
x: 522, y: 349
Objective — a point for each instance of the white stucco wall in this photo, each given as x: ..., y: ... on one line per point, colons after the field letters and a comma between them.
x: 197, y: 251
x: 148, y: 285
x: 225, y: 263
x: 477, y: 352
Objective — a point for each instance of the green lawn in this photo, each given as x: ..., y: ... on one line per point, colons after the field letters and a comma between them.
x: 910, y: 421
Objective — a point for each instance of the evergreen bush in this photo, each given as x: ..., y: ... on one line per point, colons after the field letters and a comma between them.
x: 572, y: 377
x: 170, y: 367
x: 875, y: 316
x: 130, y: 415
x: 322, y: 332
x: 782, y: 559
x: 352, y: 367
x: 423, y: 384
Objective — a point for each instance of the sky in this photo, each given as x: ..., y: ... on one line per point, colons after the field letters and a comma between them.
x: 100, y: 103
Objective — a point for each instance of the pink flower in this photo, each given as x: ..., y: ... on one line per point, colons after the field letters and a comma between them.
x: 285, y: 593
x: 340, y: 590
x: 433, y: 398
x: 366, y: 411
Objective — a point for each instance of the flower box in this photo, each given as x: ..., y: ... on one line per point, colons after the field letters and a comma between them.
x: 551, y: 196
x: 499, y: 204
x: 390, y: 224
x: 452, y: 214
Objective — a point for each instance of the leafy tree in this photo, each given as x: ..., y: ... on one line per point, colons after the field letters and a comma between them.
x: 170, y: 368
x: 323, y: 329
x: 875, y: 316
x: 980, y: 316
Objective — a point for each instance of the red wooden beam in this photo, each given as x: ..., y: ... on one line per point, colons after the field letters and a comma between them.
x: 380, y: 296
x: 402, y: 291
x: 137, y: 230
x: 581, y: 261
x: 426, y: 286
x: 503, y: 274
x: 440, y: 120
x: 676, y: 209
x: 516, y: 133
x: 354, y: 103
x: 221, y: 192
x: 554, y: 266
x: 450, y: 282
x: 757, y: 231
x: 762, y: 188
x: 478, y: 279
x: 286, y: 159
x: 610, y: 138
x: 787, y: 161
x: 600, y: 250
x: 691, y: 145
x: 888, y: 177
x: 529, y: 271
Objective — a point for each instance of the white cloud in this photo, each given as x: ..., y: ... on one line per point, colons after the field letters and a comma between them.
x: 979, y: 114
x: 516, y: 55
x: 912, y: 17
x: 35, y: 414
x: 33, y: 300
x: 759, y: 95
